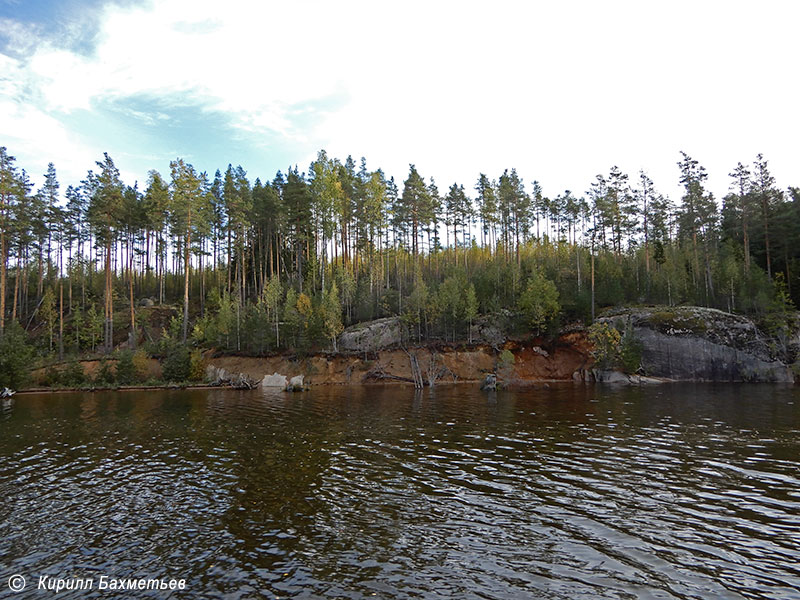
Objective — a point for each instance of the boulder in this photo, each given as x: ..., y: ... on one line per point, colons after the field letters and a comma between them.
x: 373, y: 335
x: 490, y: 382
x: 295, y: 384
x: 275, y: 380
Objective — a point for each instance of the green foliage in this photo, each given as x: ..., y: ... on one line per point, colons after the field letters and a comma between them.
x: 470, y: 307
x: 140, y: 365
x: 91, y: 334
x: 52, y: 377
x: 606, y: 340
x: 677, y: 319
x: 73, y: 375
x: 630, y: 351
x: 275, y: 258
x: 505, y: 365
x: 613, y: 349
x: 197, y: 366
x: 105, y: 375
x: 539, y: 301
x: 780, y: 318
x: 48, y: 313
x: 126, y: 371
x: 332, y: 313
x: 177, y: 365
x: 16, y: 356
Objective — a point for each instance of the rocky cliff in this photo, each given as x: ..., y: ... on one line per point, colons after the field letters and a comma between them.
x: 701, y: 344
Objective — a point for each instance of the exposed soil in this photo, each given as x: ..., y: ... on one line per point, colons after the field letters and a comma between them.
x: 534, y: 360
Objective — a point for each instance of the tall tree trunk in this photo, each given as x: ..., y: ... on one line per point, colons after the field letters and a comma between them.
x: 130, y: 287
x: 3, y: 267
x: 16, y: 293
x: 61, y: 320
x: 109, y: 303
x: 766, y: 234
x: 746, y: 237
x: 186, y: 280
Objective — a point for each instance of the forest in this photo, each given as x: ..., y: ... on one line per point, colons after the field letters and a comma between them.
x: 257, y: 266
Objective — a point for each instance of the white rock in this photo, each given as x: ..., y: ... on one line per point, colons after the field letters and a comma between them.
x: 274, y: 380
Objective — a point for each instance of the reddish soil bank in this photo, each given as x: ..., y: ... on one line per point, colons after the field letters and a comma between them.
x: 534, y: 360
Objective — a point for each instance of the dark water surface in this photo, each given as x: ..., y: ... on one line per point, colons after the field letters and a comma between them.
x: 684, y: 491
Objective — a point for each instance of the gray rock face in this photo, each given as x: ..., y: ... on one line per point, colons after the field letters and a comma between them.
x: 492, y: 329
x: 702, y: 344
x: 696, y: 358
x: 373, y: 336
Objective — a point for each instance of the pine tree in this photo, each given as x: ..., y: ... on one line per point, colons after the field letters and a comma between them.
x: 763, y: 187
x: 412, y: 208
x: 8, y: 192
x: 189, y: 211
x: 104, y: 211
x: 332, y: 313
x: 742, y: 205
x: 487, y: 208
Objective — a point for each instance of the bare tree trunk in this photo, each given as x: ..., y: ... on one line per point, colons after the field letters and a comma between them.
x: 61, y: 321
x: 133, y: 310
x: 109, y: 303
x: 2, y: 282
x: 186, y: 280
x: 16, y: 293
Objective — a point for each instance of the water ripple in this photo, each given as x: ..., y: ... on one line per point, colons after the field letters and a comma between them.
x: 571, y: 492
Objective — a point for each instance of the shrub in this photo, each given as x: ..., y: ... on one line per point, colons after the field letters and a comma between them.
x: 126, y: 371
x: 105, y: 376
x: 197, y: 366
x: 73, y: 375
x: 606, y: 340
x: 177, y: 364
x: 613, y: 349
x: 505, y: 365
x: 630, y: 351
x: 52, y: 377
x: 141, y: 364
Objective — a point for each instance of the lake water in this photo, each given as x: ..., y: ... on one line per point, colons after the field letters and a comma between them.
x: 675, y: 491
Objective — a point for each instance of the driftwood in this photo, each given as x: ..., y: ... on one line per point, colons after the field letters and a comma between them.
x: 238, y: 381
x: 243, y: 382
x: 416, y: 372
x: 377, y: 373
x: 435, y: 374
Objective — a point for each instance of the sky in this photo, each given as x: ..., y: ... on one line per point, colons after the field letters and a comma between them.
x: 561, y: 91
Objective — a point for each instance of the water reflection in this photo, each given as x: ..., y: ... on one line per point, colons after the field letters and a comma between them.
x: 689, y: 491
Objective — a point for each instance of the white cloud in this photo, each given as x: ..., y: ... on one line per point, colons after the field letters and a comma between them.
x: 560, y: 90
